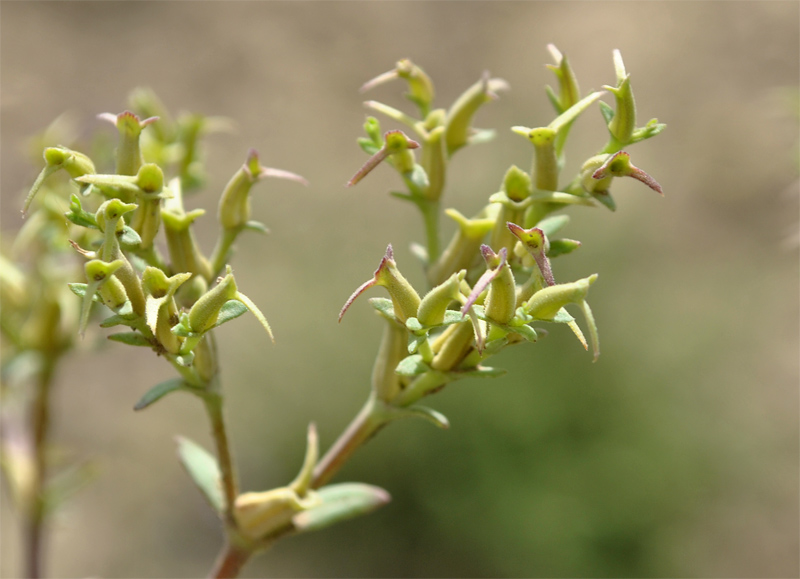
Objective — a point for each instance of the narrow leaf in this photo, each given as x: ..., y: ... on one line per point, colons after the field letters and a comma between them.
x: 158, y: 391
x: 232, y: 309
x: 203, y: 470
x: 131, y: 338
x: 339, y: 503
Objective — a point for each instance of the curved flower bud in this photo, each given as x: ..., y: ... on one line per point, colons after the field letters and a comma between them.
x: 234, y: 204
x: 434, y: 304
x: 420, y: 86
x: 501, y: 301
x: 619, y: 165
x: 458, y: 124
x: 129, y: 155
x: 398, y: 146
x: 74, y: 163
x: 261, y: 514
x: 535, y: 242
x: 547, y: 302
x: 461, y: 251
x: 405, y: 299
x: 161, y: 311
x: 100, y: 277
x: 623, y: 122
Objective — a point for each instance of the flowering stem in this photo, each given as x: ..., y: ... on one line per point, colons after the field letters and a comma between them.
x: 40, y: 422
x: 430, y: 215
x: 219, y: 256
x: 213, y: 404
x: 231, y: 559
x: 363, y: 427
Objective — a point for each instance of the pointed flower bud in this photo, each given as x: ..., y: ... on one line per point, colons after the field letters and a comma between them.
x: 74, y: 163
x: 129, y: 155
x: 397, y: 145
x: 100, y: 277
x: 536, y: 244
x: 623, y: 122
x: 404, y: 297
x: 501, y: 300
x: 161, y: 311
x: 569, y: 93
x: 184, y: 251
x: 463, y: 247
x: 512, y: 200
x: 619, y: 165
x: 547, y: 302
x: 435, y: 303
x: 205, y: 311
x: 260, y: 514
x: 234, y: 204
x: 420, y: 86
x: 458, y: 124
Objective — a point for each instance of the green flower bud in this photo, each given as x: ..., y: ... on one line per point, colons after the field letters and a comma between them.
x: 234, y: 204
x: 129, y: 156
x: 404, y: 297
x: 435, y: 303
x: 161, y: 311
x: 100, y: 277
x: 463, y: 247
x: 205, y: 311
x: 458, y: 124
x: 513, y: 201
x: 434, y: 161
x: 452, y: 346
x: 569, y: 93
x: 184, y: 252
x: 420, y: 86
x: 74, y: 163
x: 547, y: 302
x: 501, y: 300
x: 623, y: 123
x: 393, y: 349
x: 261, y: 514
x: 536, y: 244
x: 619, y: 165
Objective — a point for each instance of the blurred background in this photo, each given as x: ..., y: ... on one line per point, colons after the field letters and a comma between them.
x: 676, y: 454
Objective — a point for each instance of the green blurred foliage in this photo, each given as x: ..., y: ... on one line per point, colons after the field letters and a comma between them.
x: 676, y: 454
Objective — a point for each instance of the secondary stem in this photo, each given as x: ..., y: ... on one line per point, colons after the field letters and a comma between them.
x: 366, y: 423
x: 40, y: 422
x: 213, y: 404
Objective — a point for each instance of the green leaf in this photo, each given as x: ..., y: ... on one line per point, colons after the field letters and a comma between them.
x: 484, y: 372
x: 79, y: 289
x: 158, y: 391
x: 526, y: 332
x: 339, y: 503
x: 428, y: 414
x: 230, y: 310
x: 131, y: 338
x: 384, y: 307
x: 116, y: 320
x: 651, y: 129
x: 553, y: 224
x: 256, y: 226
x: 562, y: 247
x: 203, y: 470
x: 607, y: 111
x: 129, y: 237
x: 411, y: 366
x: 481, y: 136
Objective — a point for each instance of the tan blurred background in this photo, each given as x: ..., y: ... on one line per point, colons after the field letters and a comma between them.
x: 676, y: 454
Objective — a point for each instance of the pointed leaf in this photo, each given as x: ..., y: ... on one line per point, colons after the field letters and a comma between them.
x: 339, y: 503
x: 203, y: 470
x: 131, y: 338
x: 607, y: 111
x: 411, y: 366
x: 384, y: 307
x: 430, y: 415
x: 232, y: 309
x: 158, y: 391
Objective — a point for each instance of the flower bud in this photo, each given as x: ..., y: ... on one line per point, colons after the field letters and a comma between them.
x: 205, y: 311
x: 74, y: 163
x: 569, y: 93
x: 623, y: 123
x: 129, y: 156
x: 536, y: 244
x: 234, y: 204
x: 513, y: 203
x: 184, y: 252
x: 463, y: 247
x: 260, y: 514
x: 420, y: 86
x: 434, y: 304
x: 619, y: 165
x: 404, y: 297
x: 458, y: 129
x: 100, y: 277
x: 501, y: 300
x: 161, y: 312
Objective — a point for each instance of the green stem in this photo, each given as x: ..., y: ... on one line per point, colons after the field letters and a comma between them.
x: 430, y: 215
x: 35, y: 510
x: 219, y: 256
x: 363, y: 427
x: 230, y: 490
